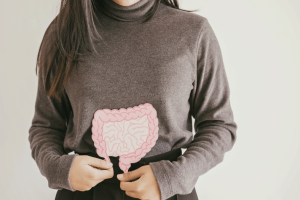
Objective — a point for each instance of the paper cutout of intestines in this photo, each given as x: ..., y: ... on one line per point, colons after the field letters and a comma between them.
x: 129, y: 133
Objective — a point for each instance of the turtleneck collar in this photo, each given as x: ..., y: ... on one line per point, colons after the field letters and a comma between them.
x: 133, y: 12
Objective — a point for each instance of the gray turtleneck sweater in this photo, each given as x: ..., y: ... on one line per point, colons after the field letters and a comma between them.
x: 173, y: 62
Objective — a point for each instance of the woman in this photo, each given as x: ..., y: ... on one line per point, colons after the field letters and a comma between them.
x: 117, y: 58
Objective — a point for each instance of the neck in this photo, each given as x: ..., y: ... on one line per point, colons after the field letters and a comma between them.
x: 126, y: 2
x: 126, y: 10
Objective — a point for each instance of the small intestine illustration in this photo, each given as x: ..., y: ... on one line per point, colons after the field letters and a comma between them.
x: 129, y: 133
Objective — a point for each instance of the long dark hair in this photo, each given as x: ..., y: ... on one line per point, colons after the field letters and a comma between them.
x: 74, y: 28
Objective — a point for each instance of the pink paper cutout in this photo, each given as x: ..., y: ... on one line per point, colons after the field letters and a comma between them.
x: 129, y: 133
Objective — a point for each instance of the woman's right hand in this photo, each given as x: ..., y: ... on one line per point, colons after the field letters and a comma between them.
x: 84, y: 173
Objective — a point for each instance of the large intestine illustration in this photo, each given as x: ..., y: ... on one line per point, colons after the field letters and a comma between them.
x: 129, y: 133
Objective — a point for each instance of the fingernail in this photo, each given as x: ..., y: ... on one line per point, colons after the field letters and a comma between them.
x: 109, y: 164
x: 120, y: 175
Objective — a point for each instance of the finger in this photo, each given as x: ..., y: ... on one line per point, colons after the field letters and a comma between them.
x: 98, y: 163
x: 104, y: 160
x: 96, y: 178
x: 132, y: 194
x: 133, y: 186
x: 101, y: 174
x: 131, y: 175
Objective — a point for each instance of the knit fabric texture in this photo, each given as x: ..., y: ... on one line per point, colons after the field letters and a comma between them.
x: 174, y: 62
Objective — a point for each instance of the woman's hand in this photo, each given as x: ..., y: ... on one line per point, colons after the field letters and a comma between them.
x: 145, y: 187
x: 84, y: 173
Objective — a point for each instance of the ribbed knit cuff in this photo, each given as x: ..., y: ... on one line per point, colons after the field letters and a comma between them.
x: 64, y: 169
x: 162, y: 179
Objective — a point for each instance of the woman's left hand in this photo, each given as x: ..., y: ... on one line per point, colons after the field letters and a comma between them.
x: 145, y: 188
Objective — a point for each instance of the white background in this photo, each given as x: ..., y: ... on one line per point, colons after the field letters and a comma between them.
x: 261, y: 50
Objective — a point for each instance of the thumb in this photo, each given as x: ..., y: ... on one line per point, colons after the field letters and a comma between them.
x: 131, y: 175
x: 99, y: 163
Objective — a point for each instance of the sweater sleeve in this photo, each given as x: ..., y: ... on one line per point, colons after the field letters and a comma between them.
x: 46, y: 136
x: 215, y: 129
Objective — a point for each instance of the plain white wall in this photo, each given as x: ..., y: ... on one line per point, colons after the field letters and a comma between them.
x: 261, y: 50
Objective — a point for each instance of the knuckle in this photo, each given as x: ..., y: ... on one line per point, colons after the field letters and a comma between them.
x: 121, y: 186
x: 138, y: 189
x: 87, y: 187
x: 129, y: 174
x: 82, y: 189
x: 92, y: 175
x: 90, y: 185
x: 102, y: 163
